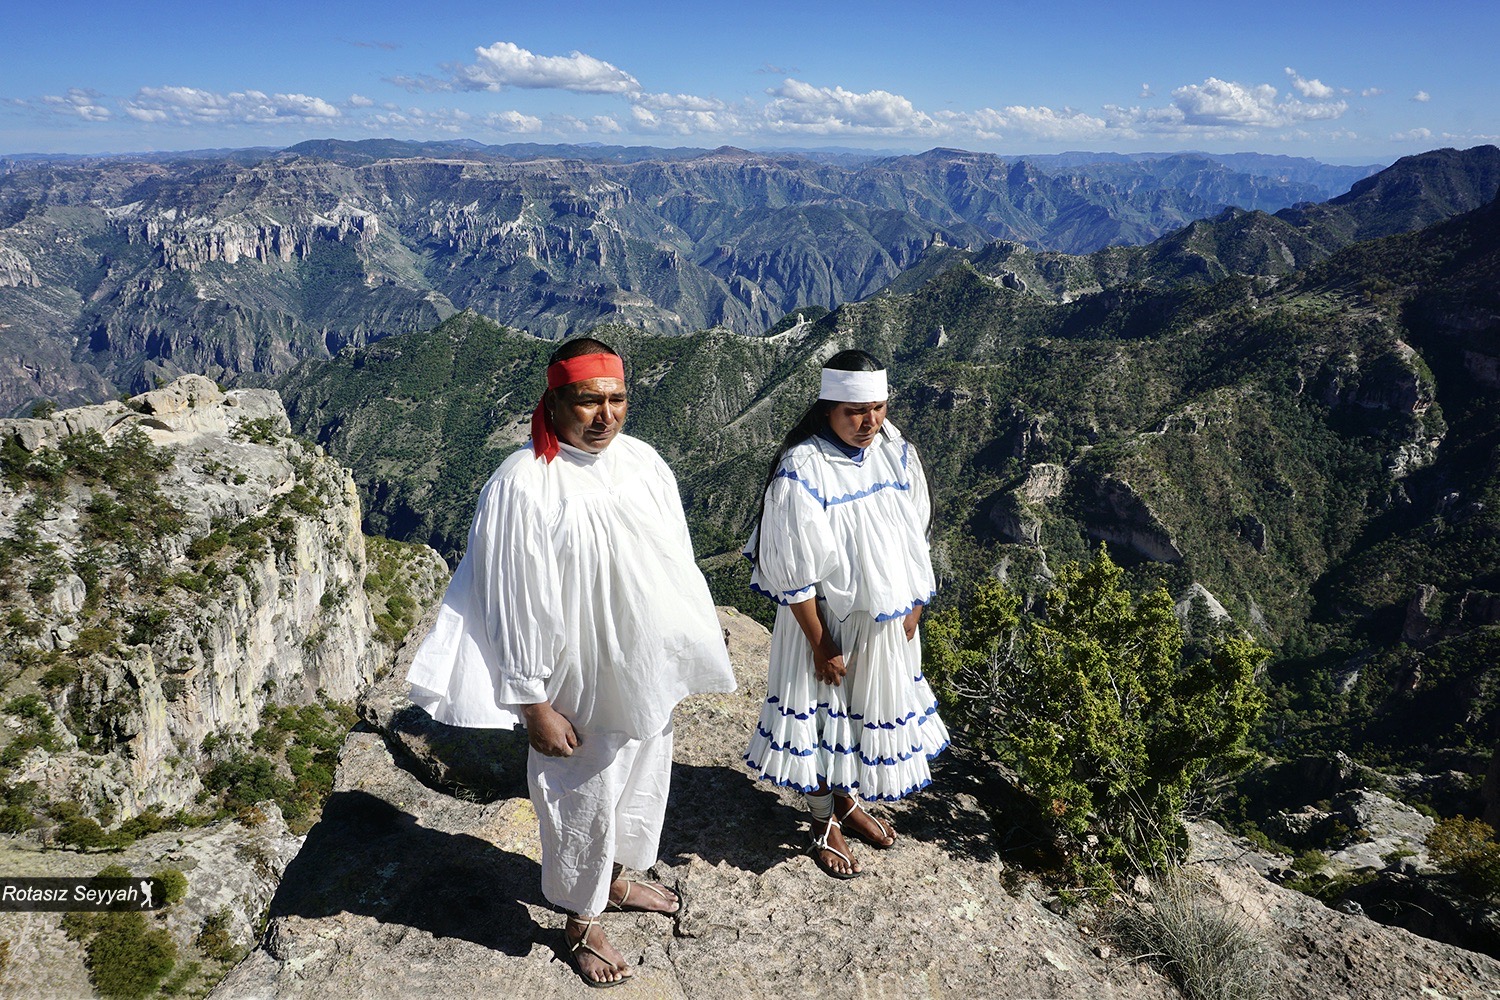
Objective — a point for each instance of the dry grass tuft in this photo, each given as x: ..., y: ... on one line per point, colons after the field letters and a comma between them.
x: 1210, y: 950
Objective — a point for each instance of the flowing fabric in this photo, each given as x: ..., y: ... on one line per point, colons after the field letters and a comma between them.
x: 578, y: 587
x: 850, y: 532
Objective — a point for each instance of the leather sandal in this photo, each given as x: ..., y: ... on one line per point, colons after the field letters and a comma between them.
x: 582, y: 944
x: 820, y: 843
x: 655, y: 887
x: 884, y: 827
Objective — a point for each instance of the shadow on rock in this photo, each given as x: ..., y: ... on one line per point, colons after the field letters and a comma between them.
x: 720, y: 814
x: 476, y: 765
x: 365, y: 856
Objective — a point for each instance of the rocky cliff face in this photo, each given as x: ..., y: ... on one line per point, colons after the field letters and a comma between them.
x: 174, y: 564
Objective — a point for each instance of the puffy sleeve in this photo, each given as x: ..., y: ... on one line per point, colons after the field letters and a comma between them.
x: 793, y: 548
x: 515, y: 583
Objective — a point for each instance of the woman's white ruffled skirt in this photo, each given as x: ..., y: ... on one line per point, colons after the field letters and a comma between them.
x: 871, y: 736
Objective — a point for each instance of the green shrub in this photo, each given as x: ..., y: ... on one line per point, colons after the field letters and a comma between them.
x: 1309, y: 862
x: 174, y: 885
x: 214, y: 939
x: 1103, y: 717
x: 1467, y: 849
x: 16, y: 819
x: 127, y: 957
x: 145, y: 823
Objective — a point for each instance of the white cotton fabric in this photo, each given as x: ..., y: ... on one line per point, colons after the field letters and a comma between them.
x: 603, y: 805
x: 850, y: 533
x: 578, y: 587
x: 854, y: 387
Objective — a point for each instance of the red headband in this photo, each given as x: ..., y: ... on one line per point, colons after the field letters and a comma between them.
x: 565, y: 372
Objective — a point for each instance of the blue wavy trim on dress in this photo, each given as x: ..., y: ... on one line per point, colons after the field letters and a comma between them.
x: 846, y: 498
x: 781, y: 600
x: 931, y: 710
x: 907, y: 610
x: 804, y: 716
x: 849, y: 790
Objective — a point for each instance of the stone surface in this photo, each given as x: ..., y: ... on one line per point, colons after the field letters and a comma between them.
x: 1387, y: 826
x: 406, y: 889
x: 1315, y: 951
x: 228, y: 866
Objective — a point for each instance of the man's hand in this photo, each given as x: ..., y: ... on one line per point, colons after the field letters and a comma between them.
x: 549, y: 731
x: 912, y: 617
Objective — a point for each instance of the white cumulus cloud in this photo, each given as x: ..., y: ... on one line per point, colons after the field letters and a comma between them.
x: 1221, y: 102
x: 1371, y: 92
x: 801, y: 107
x: 360, y: 101
x: 1224, y: 103
x: 192, y: 106
x: 1315, y: 89
x: 1021, y: 122
x: 505, y: 64
x: 512, y: 121
x: 1421, y: 97
x: 1413, y: 135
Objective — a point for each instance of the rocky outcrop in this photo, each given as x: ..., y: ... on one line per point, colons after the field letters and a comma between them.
x: 16, y: 270
x: 189, y: 243
x: 232, y: 871
x: 214, y: 566
x: 1117, y: 514
x: 406, y: 887
x: 1432, y: 616
x: 1315, y: 951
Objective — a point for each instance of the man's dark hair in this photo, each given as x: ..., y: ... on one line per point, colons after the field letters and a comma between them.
x: 579, y: 346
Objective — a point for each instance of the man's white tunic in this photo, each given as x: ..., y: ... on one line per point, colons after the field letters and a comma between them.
x: 579, y: 587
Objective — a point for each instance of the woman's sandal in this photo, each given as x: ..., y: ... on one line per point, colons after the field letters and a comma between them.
x: 582, y: 944
x: 820, y: 843
x: 656, y: 887
x: 885, y: 828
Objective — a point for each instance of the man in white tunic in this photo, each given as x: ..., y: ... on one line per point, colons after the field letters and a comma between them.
x: 578, y: 609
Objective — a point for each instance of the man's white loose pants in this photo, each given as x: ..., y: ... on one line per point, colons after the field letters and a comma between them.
x: 601, y: 806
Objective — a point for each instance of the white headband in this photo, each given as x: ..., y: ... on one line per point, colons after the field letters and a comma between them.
x: 854, y: 387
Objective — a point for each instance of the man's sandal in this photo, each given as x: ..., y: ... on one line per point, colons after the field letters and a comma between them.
x: 885, y: 829
x: 655, y: 887
x: 820, y: 843
x: 582, y: 944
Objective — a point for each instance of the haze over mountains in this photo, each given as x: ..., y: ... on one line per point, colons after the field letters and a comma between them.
x: 117, y: 271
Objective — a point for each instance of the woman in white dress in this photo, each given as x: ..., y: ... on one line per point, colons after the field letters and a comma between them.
x: 841, y: 546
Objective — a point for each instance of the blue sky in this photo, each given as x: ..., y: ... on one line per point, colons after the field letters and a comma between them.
x: 1344, y: 82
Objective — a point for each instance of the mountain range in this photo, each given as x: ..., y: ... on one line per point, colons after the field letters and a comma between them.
x: 117, y: 272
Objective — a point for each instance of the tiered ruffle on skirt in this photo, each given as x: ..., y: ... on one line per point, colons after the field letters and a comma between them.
x: 872, y: 735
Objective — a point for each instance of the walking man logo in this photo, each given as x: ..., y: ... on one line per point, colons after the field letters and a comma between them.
x: 146, y: 902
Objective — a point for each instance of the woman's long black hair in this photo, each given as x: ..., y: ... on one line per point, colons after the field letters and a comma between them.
x: 813, y: 420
